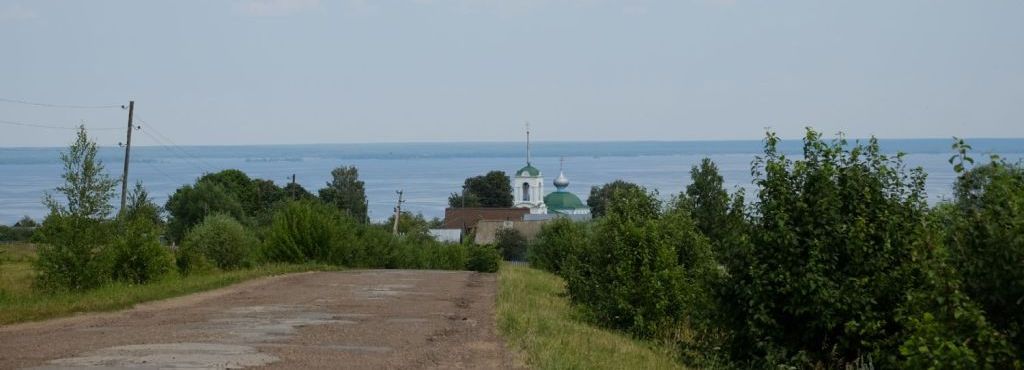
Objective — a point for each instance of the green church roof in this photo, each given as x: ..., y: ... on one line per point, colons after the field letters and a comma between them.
x: 530, y: 170
x: 563, y: 200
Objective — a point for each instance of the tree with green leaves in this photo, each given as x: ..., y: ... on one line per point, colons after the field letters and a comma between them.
x: 708, y: 200
x: 189, y: 205
x: 346, y: 192
x: 257, y: 196
x: 600, y: 195
x: 838, y: 244
x: 294, y: 191
x: 26, y: 221
x: 511, y: 243
x: 558, y: 242
x: 464, y: 200
x: 140, y: 205
x: 985, y: 240
x: 87, y: 187
x: 77, y: 229
x: 409, y: 223
x: 641, y: 269
x: 492, y: 190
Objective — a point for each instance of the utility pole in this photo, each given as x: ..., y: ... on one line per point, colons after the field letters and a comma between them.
x: 127, y: 153
x: 398, y: 211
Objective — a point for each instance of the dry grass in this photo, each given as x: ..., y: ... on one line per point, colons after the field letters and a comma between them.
x: 536, y: 319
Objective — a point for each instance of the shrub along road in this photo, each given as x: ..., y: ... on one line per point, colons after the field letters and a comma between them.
x: 351, y: 319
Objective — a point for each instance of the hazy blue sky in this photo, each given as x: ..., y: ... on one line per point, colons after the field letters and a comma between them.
x: 308, y: 71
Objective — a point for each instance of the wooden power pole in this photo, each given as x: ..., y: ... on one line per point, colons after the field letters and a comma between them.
x: 127, y: 153
x: 398, y: 211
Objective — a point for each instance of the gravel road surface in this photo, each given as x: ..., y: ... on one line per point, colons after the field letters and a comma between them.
x: 364, y: 319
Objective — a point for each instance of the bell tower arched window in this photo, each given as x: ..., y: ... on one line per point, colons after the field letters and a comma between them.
x: 526, y: 192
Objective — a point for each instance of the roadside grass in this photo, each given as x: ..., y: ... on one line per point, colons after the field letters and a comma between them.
x: 537, y: 320
x: 20, y: 303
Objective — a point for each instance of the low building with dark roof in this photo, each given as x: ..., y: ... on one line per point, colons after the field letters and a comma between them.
x: 466, y: 219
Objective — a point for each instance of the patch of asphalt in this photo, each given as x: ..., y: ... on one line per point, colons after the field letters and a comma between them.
x: 167, y: 355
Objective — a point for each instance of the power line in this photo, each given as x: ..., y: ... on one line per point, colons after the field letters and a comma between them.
x: 171, y: 143
x: 48, y: 105
x: 24, y: 124
x: 169, y: 149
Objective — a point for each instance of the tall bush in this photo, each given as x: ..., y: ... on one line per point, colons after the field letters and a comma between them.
x: 220, y: 240
x: 557, y: 242
x: 309, y: 231
x: 600, y: 195
x: 483, y: 258
x: 190, y: 205
x: 630, y: 277
x: 831, y: 256
x: 511, y: 243
x: 77, y: 229
x: 986, y: 243
x: 944, y: 327
x: 346, y: 192
x: 72, y: 254
x: 136, y: 255
x: 708, y: 200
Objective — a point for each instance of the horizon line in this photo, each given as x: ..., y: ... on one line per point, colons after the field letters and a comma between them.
x: 517, y: 142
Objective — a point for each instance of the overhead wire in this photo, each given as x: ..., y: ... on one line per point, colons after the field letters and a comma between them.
x: 161, y: 172
x: 170, y: 150
x: 171, y: 143
x: 50, y: 105
x: 55, y: 127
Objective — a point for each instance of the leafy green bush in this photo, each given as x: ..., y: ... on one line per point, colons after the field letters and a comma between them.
x: 493, y: 189
x: 441, y: 256
x: 309, y: 231
x: 945, y: 329
x: 483, y: 258
x: 140, y: 206
x: 190, y: 205
x: 136, y: 255
x: 831, y: 257
x: 71, y: 256
x: 511, y: 243
x: 630, y: 276
x: 600, y: 195
x: 709, y: 201
x: 347, y: 193
x: 221, y: 240
x: 381, y: 249
x: 16, y: 234
x: 557, y: 242
x: 721, y: 218
x: 987, y: 248
x: 76, y: 230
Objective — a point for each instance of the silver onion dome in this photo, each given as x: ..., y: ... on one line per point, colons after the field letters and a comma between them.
x: 561, y: 182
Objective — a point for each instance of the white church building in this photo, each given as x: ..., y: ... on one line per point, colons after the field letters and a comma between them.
x: 528, y: 191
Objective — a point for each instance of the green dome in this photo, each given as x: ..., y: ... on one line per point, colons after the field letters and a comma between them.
x: 563, y: 200
x: 529, y: 171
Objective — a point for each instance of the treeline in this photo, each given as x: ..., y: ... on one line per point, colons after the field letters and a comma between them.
x: 224, y: 221
x: 838, y: 262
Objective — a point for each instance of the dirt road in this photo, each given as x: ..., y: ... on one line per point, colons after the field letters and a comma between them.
x: 354, y: 319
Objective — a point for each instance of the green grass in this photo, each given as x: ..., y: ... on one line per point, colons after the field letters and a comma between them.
x: 538, y: 322
x: 19, y: 302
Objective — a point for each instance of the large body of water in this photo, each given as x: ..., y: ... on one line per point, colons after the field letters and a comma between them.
x: 429, y: 172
